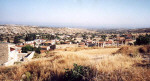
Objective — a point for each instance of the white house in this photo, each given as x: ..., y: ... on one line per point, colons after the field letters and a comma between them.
x: 9, y: 54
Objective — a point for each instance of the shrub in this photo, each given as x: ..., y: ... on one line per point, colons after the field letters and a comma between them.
x: 28, y: 76
x: 78, y: 73
x: 16, y: 39
x: 27, y: 48
x: 143, y: 40
x: 53, y: 47
x: 128, y: 50
x: 144, y: 49
x: 37, y: 50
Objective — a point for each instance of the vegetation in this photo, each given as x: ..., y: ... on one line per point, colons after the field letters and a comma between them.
x: 1, y: 37
x: 37, y: 50
x: 103, y: 37
x: 30, y: 37
x: 84, y: 36
x: 83, y: 61
x: 145, y: 49
x: 16, y: 39
x: 78, y: 73
x: 53, y: 47
x: 143, y: 40
x: 27, y: 48
x: 8, y: 40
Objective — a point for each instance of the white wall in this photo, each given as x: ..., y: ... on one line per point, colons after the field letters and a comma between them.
x: 31, y: 55
x: 10, y: 62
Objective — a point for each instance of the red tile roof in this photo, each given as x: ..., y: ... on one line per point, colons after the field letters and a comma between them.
x: 108, y: 42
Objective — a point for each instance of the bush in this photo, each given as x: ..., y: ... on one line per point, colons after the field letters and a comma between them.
x: 128, y: 50
x: 38, y: 50
x: 144, y: 49
x: 78, y: 73
x: 53, y: 47
x: 16, y: 39
x: 27, y: 48
x: 28, y: 76
x: 143, y: 40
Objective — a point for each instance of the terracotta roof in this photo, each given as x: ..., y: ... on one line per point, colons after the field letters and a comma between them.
x: 81, y: 45
x: 89, y: 41
x: 20, y: 45
x: 101, y: 42
x: 109, y: 42
x: 121, y: 38
x: 44, y: 46
x: 48, y: 42
x: 11, y: 49
x: 128, y: 40
x: 42, y: 51
x: 129, y: 35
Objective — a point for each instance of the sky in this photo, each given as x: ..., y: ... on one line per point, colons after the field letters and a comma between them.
x: 76, y: 13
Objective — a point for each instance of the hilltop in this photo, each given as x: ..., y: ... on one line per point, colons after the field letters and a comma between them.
x: 22, y: 29
x: 123, y: 30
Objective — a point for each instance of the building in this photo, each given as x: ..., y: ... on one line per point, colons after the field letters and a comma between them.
x: 9, y: 54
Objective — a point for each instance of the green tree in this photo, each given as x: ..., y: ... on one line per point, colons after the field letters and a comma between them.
x: 16, y: 40
x: 143, y: 40
x: 103, y: 37
x: 84, y: 36
x: 8, y: 40
x: 27, y: 48
x: 1, y: 38
x: 38, y: 50
x: 30, y: 37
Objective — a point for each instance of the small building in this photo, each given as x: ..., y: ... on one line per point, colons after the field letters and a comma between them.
x: 101, y: 44
x: 129, y: 42
x: 81, y: 44
x: 9, y: 53
x: 45, y: 47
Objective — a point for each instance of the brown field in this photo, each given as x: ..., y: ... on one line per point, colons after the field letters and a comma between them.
x: 104, y: 63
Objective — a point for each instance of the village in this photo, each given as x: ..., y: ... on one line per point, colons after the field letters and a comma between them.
x: 75, y: 40
x: 12, y: 52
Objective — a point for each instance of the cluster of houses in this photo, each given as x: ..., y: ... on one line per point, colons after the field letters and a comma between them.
x: 11, y: 53
x: 44, y: 44
x: 109, y: 41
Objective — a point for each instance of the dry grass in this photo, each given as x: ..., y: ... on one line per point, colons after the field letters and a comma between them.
x: 116, y: 62
x: 105, y: 67
x: 91, y: 51
x: 134, y: 50
x: 129, y: 50
x: 42, y: 68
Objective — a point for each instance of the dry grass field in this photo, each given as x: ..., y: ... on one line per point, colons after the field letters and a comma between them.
x: 105, y: 66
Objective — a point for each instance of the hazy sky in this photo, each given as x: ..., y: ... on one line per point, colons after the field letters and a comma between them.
x: 84, y: 13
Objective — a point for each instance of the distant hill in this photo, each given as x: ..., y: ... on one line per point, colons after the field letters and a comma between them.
x: 138, y: 30
x: 21, y: 29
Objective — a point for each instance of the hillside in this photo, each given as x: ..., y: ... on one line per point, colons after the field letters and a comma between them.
x: 140, y: 30
x: 122, y: 30
x: 21, y: 29
x: 93, y: 64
